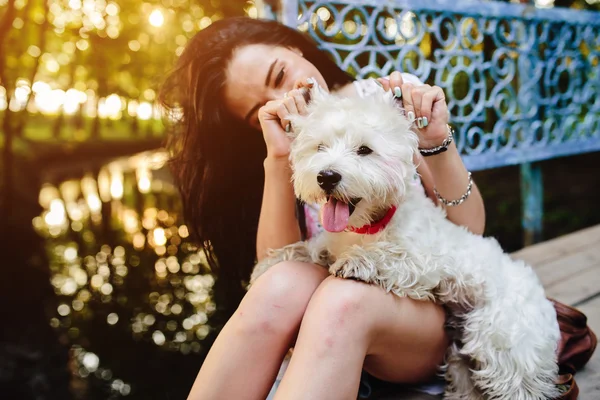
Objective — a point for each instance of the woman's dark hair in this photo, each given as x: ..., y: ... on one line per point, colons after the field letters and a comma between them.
x: 216, y: 159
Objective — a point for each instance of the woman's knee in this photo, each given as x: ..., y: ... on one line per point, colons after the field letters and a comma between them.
x: 366, y: 310
x: 342, y: 306
x: 277, y: 300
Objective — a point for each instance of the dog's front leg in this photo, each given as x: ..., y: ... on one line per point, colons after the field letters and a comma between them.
x: 311, y: 251
x: 357, y: 262
x: 387, y: 265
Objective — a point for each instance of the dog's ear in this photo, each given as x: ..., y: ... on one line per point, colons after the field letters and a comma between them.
x: 376, y: 91
x: 388, y: 98
x: 386, y: 95
x: 316, y: 94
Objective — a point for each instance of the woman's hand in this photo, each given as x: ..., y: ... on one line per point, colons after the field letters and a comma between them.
x: 424, y: 104
x: 274, y: 118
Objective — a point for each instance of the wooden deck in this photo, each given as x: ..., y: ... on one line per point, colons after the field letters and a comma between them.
x: 569, y: 268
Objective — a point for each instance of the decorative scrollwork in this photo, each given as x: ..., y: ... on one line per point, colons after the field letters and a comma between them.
x: 522, y: 84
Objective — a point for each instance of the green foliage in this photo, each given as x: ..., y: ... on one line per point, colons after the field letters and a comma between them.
x: 99, y: 47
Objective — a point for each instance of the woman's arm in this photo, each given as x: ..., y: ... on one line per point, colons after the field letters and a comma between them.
x: 278, y: 225
x: 444, y: 171
x: 447, y: 173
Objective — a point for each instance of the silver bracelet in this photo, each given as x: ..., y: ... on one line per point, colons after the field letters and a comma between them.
x: 452, y: 203
x: 441, y: 148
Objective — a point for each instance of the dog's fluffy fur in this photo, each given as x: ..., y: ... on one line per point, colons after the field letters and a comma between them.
x: 508, y: 329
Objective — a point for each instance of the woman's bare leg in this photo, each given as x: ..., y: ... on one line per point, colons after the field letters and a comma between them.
x: 349, y: 325
x: 244, y: 360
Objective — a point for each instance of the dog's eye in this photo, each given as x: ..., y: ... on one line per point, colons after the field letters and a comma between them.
x: 363, y: 151
x: 321, y: 147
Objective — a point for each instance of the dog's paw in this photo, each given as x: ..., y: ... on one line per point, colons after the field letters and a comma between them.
x: 350, y: 270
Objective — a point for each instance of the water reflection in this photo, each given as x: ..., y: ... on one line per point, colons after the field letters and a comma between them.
x: 123, y: 269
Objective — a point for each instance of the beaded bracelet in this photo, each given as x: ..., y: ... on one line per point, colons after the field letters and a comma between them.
x: 452, y: 203
x: 441, y: 148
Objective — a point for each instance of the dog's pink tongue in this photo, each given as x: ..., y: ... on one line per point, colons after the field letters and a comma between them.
x: 335, y: 215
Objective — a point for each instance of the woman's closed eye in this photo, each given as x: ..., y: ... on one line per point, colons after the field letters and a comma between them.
x: 279, y: 77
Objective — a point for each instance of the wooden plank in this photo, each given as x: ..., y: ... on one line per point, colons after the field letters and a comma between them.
x: 578, y: 287
x: 592, y: 310
x: 569, y: 266
x: 588, y: 379
x: 550, y: 250
x: 562, y: 270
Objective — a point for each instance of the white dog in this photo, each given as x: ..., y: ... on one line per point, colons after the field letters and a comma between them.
x: 355, y: 157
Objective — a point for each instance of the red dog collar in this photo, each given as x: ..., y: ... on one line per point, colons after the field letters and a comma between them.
x: 376, y: 226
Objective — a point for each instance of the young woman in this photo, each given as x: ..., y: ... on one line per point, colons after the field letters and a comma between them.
x: 233, y: 88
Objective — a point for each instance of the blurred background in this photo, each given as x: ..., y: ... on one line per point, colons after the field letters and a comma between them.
x: 102, y: 294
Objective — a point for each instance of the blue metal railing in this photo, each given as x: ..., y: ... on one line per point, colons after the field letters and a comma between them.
x: 522, y: 83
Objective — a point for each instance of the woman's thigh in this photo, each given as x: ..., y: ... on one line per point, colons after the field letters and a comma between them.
x: 404, y: 339
x: 409, y: 340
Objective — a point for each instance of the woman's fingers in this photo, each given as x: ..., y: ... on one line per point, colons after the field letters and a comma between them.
x: 424, y: 100
x: 273, y: 110
x: 300, y: 101
x: 427, y: 101
x: 299, y: 97
x: 282, y: 109
x: 295, y: 103
x: 419, y: 102
x: 422, y: 114
x: 416, y: 95
x: 304, y: 86
x: 290, y: 103
x: 385, y: 83
x: 269, y: 110
x: 408, y: 102
x: 284, y: 116
x: 307, y: 83
x: 396, y: 82
x: 272, y: 117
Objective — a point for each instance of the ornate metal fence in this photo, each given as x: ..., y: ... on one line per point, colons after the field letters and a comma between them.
x: 523, y: 84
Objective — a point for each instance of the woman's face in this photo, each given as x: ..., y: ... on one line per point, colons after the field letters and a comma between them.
x: 259, y: 73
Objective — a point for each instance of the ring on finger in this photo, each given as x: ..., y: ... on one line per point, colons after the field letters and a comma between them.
x: 288, y: 127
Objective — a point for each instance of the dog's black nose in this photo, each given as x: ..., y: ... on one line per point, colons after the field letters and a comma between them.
x: 328, y: 180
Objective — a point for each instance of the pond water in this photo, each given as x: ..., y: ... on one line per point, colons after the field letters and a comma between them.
x: 134, y: 297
